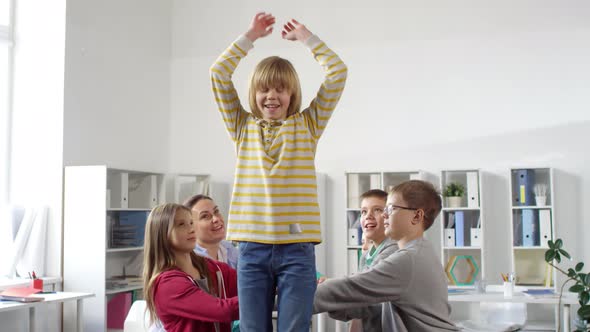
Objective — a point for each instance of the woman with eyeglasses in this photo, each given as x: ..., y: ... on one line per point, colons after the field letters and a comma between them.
x: 210, y: 228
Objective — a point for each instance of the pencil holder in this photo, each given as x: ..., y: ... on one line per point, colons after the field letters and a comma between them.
x: 37, y: 284
x: 508, y: 289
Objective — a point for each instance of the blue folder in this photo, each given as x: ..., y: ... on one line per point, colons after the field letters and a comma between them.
x: 459, y: 229
x: 525, y: 179
x: 530, y: 228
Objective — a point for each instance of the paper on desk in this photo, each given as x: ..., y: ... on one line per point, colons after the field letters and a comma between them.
x: 20, y: 292
x: 469, y: 326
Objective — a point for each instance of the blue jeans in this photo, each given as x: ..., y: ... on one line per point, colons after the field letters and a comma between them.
x: 287, y: 270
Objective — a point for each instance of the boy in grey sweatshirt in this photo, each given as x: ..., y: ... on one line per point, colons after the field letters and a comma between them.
x: 410, y: 282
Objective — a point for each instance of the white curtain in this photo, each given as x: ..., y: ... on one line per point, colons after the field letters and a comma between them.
x: 24, y: 238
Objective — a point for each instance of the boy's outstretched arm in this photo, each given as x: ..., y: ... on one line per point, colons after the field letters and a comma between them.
x: 233, y: 114
x: 320, y: 109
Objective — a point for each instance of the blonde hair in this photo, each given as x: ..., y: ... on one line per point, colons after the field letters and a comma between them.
x: 275, y: 72
x: 158, y: 255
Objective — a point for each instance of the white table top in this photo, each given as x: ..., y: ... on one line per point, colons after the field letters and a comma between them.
x: 472, y: 296
x: 48, y: 298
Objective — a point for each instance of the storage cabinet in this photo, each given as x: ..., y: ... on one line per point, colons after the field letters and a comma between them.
x: 532, y: 225
x: 105, y: 213
x: 462, y: 228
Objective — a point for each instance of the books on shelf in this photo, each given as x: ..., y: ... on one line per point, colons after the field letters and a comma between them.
x: 118, y: 282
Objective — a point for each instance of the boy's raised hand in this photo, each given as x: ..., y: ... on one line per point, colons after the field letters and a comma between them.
x: 294, y: 30
x: 261, y: 26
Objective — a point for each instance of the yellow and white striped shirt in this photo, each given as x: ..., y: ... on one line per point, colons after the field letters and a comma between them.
x: 275, y: 195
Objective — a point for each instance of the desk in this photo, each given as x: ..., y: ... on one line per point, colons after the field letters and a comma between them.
x: 471, y: 296
x: 49, y: 298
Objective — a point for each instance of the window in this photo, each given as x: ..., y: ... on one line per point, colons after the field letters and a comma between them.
x: 5, y: 83
x: 6, y: 56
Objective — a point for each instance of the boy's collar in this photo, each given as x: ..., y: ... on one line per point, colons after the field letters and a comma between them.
x: 273, y: 123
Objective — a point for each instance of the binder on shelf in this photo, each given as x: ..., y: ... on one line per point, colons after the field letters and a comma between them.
x: 451, y: 222
x: 153, y: 191
x: 525, y: 180
x: 449, y: 234
x: 472, y: 190
x: 375, y: 181
x: 353, y: 261
x: 548, y: 275
x: 530, y: 230
x: 476, y: 237
x: 143, y: 191
x: 119, y: 191
x: 459, y: 229
x: 353, y: 238
x: 353, y: 191
x: 545, y: 227
x: 517, y: 229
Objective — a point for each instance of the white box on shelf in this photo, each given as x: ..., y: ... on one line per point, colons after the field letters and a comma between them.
x: 545, y: 227
x: 449, y: 234
x: 353, y: 261
x: 472, y: 190
x: 375, y: 181
x: 415, y: 176
x: 476, y: 237
x: 119, y: 186
x: 353, y: 237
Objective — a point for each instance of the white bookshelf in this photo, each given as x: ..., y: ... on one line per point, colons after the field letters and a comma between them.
x: 462, y: 229
x: 532, y: 225
x: 97, y: 246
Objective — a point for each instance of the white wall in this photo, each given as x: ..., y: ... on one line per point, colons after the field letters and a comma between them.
x: 431, y: 86
x: 117, y: 81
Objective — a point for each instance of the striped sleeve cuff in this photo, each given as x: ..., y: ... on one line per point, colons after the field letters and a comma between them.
x: 312, y: 42
x: 244, y: 43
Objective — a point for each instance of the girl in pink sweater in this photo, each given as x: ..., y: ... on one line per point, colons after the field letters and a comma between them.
x: 184, y: 291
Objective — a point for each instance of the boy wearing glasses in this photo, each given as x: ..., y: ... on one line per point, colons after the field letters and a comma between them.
x: 410, y: 282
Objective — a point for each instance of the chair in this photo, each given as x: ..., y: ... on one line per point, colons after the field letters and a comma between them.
x: 497, y: 316
x: 138, y: 320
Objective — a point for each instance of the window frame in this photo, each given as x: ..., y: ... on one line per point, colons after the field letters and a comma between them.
x: 7, y: 40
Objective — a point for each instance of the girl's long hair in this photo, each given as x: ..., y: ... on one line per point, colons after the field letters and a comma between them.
x: 158, y: 255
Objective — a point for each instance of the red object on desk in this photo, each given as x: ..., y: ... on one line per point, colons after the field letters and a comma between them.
x: 37, y: 284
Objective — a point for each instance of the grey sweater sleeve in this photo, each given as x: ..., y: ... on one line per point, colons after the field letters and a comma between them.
x: 385, y: 282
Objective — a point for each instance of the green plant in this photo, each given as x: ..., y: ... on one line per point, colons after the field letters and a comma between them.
x: 582, y: 280
x: 454, y: 189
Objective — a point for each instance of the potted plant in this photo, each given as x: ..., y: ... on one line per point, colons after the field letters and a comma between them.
x: 453, y: 192
x: 582, y: 281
